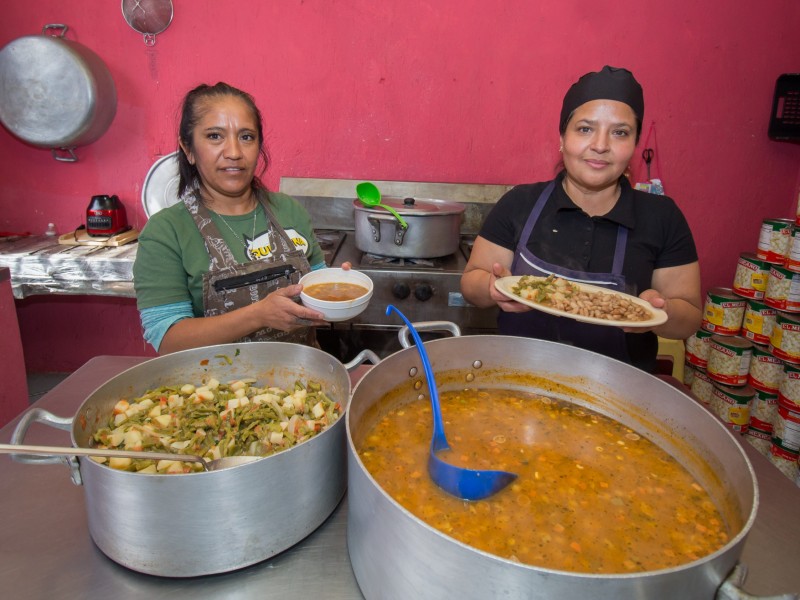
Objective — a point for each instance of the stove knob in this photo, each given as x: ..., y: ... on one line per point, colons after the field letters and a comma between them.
x: 423, y: 292
x: 401, y: 291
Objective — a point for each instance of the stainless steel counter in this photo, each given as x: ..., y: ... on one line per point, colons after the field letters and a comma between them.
x: 40, y: 265
x: 46, y: 550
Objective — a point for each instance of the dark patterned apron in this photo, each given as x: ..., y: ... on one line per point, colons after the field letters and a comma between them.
x: 229, y: 285
x: 609, y: 341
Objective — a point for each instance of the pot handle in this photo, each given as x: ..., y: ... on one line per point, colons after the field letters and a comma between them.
x: 375, y: 222
x: 64, y: 154
x: 402, y: 335
x: 730, y: 590
x: 38, y: 415
x: 60, y: 26
x: 362, y: 357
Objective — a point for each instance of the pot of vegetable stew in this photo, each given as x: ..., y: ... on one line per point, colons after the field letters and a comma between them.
x: 396, y: 554
x: 200, y: 523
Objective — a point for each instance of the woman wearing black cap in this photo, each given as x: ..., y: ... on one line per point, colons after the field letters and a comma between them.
x: 591, y: 226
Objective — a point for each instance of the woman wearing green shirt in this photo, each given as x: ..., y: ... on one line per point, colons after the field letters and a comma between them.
x: 223, y: 264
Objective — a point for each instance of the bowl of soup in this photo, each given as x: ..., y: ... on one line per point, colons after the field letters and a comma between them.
x: 338, y: 294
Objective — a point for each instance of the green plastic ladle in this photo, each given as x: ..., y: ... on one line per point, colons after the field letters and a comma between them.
x: 370, y: 195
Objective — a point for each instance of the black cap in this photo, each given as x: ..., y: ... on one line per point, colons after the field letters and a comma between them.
x: 610, y: 83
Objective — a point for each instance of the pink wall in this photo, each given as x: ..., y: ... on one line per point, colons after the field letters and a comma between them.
x: 14, y: 391
x: 446, y: 91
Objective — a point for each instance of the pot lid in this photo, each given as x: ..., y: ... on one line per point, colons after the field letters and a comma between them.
x: 160, y: 188
x: 417, y: 207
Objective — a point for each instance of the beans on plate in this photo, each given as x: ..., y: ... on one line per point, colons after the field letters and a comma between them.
x: 561, y: 294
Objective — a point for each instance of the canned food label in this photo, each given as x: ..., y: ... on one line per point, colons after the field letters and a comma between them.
x: 729, y: 365
x: 793, y: 259
x: 701, y: 387
x: 697, y: 348
x: 723, y: 317
x: 797, y: 211
x: 750, y: 280
x: 786, y: 429
x: 758, y: 324
x: 784, y: 342
x: 789, y: 391
x: 773, y: 241
x: 783, y: 290
x: 779, y: 451
x: 696, y: 360
x: 765, y: 373
x: 760, y: 428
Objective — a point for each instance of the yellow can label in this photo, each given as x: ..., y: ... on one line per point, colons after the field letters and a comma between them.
x: 754, y: 322
x: 758, y: 281
x: 714, y: 314
x: 739, y: 414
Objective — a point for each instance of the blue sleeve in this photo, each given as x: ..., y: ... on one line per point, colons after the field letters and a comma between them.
x: 156, y: 320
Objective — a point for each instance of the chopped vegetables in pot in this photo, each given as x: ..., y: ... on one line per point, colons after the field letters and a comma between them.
x: 213, y: 420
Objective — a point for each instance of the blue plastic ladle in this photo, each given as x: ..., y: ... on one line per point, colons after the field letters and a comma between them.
x: 370, y: 195
x: 467, y: 484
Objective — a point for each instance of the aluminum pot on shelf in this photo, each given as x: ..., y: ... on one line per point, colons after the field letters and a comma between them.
x: 396, y: 555
x: 216, y: 521
x: 433, y: 228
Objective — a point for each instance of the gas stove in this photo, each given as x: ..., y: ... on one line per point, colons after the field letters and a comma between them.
x: 424, y: 289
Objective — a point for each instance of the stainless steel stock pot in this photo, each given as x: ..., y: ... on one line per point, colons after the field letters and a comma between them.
x: 432, y: 232
x: 396, y: 555
x: 215, y: 521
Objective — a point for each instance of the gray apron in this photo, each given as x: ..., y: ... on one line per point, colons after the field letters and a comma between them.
x: 609, y: 341
x: 229, y: 285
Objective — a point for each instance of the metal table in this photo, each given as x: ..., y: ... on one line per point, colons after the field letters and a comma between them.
x: 47, y: 552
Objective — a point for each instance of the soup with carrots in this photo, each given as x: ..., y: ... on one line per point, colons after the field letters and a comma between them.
x: 592, y: 496
x: 336, y: 291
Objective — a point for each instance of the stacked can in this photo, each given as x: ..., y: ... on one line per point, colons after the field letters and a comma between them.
x: 774, y: 240
x: 750, y: 280
x: 688, y: 373
x: 723, y: 311
x: 769, y: 283
x: 784, y: 339
x: 785, y: 448
x: 728, y: 368
x: 759, y: 319
x: 702, y: 387
x: 763, y: 410
x: 765, y: 376
x: 697, y: 348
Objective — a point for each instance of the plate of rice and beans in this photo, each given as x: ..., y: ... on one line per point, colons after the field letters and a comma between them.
x: 580, y: 301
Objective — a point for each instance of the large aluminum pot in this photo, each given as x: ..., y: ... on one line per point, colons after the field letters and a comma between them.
x: 215, y: 521
x: 433, y: 228
x: 55, y: 93
x: 396, y: 555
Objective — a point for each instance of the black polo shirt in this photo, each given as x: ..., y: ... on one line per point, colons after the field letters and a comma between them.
x: 658, y: 237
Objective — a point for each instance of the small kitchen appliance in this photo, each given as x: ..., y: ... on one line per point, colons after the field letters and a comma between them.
x: 106, y: 216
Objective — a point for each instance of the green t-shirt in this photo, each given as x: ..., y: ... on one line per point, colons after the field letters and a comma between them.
x: 171, y: 257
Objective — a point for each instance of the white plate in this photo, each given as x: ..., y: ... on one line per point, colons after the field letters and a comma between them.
x: 160, y: 188
x: 505, y: 285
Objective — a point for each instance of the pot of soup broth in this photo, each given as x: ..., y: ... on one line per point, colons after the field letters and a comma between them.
x: 627, y: 487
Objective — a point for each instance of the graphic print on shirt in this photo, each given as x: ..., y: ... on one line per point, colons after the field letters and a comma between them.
x: 262, y: 246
